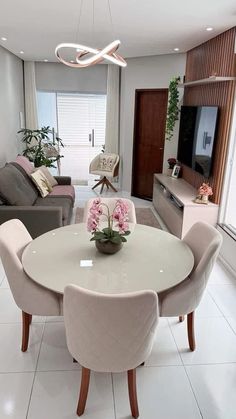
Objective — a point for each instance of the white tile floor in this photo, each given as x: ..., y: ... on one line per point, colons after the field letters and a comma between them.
x: 43, y: 383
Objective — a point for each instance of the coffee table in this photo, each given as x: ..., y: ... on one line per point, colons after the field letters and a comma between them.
x: 151, y: 259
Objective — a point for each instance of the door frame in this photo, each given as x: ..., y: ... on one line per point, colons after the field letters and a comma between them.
x: 137, y: 91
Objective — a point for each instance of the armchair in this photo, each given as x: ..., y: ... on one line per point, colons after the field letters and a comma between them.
x: 105, y: 165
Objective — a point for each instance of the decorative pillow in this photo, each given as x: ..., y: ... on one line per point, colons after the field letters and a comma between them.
x: 14, y: 189
x: 41, y: 182
x: 51, y: 180
x: 25, y: 164
x: 107, y: 162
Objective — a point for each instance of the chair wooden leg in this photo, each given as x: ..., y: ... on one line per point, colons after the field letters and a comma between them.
x: 191, y: 337
x: 99, y: 183
x: 103, y: 183
x: 181, y: 319
x: 109, y: 184
x: 84, y: 386
x: 26, y: 320
x: 133, y: 393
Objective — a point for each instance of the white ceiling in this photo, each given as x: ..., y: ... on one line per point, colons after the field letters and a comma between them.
x: 147, y: 27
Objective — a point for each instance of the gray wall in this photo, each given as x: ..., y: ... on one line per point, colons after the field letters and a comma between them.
x: 11, y: 104
x: 144, y: 72
x: 58, y: 77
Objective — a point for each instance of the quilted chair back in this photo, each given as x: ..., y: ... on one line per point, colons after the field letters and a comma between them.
x: 29, y: 296
x: 105, y: 164
x: 111, y: 202
x: 205, y: 242
x: 110, y: 333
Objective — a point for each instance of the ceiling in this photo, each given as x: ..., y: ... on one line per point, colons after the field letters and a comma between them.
x: 148, y: 27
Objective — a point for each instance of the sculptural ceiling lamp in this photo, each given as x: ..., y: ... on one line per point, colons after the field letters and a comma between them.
x: 85, y: 56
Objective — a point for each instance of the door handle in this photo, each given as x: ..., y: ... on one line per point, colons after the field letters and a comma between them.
x: 161, y: 148
x: 92, y: 137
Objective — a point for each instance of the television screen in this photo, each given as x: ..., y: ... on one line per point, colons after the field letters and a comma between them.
x: 196, y: 137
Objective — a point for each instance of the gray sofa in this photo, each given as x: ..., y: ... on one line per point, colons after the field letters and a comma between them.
x: 19, y: 198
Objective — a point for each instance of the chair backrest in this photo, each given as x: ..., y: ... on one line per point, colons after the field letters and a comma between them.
x: 110, y: 333
x: 111, y: 202
x: 205, y: 242
x: 14, y: 237
x: 106, y: 163
x: 29, y: 296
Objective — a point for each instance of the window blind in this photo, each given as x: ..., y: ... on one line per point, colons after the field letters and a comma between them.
x: 81, y: 126
x: 78, y: 115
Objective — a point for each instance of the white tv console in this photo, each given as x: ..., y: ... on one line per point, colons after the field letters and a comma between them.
x: 174, y: 201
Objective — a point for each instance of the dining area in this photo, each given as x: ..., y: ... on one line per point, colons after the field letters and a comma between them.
x: 107, y: 311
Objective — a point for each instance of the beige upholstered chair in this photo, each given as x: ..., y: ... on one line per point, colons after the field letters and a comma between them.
x: 205, y: 242
x: 111, y: 202
x: 105, y: 165
x: 29, y: 297
x: 109, y: 333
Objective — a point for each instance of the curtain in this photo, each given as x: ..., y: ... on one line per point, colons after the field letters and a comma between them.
x: 31, y: 114
x: 112, y: 111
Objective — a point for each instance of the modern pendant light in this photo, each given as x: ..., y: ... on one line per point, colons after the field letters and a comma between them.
x: 95, y: 55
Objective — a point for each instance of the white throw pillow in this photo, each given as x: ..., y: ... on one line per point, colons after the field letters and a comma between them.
x: 107, y: 162
x: 41, y: 183
x: 52, y: 181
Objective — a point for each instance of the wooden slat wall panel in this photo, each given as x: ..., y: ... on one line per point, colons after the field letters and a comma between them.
x: 213, y: 57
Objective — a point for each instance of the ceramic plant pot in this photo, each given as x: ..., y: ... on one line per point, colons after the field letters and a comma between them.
x: 108, y: 247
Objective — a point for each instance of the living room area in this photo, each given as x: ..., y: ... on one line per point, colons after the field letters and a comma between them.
x: 117, y: 110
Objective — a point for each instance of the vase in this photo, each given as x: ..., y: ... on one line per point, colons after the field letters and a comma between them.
x: 205, y: 199
x: 169, y: 171
x: 108, y: 247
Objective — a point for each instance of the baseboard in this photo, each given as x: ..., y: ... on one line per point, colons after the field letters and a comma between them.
x: 227, y: 265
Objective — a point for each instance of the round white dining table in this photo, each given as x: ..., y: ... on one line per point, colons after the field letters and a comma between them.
x: 151, y: 259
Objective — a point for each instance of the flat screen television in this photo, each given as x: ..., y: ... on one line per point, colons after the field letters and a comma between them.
x: 196, y: 137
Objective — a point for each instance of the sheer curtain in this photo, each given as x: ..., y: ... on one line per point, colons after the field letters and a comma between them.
x: 112, y: 112
x: 31, y: 114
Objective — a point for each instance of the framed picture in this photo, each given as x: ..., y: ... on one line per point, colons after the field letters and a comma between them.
x: 176, y: 170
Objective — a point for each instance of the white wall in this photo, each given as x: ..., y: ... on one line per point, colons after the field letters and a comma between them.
x: 144, y: 72
x: 58, y: 77
x: 11, y: 104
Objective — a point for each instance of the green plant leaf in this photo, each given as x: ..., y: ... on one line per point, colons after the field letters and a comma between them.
x: 126, y: 233
x: 116, y: 239
x: 172, y: 110
x: 37, y: 152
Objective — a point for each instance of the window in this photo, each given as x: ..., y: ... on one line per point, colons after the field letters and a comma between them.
x: 80, y: 121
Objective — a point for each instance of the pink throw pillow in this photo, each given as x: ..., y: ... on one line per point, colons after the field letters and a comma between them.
x: 25, y: 164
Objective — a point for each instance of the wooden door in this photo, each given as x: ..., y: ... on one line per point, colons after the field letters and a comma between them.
x: 149, y: 137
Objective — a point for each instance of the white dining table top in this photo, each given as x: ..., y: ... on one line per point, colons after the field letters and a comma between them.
x: 151, y: 259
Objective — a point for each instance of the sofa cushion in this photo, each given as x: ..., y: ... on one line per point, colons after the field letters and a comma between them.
x: 57, y: 201
x: 13, y: 187
x: 51, y: 179
x: 63, y: 190
x: 25, y: 164
x: 41, y: 182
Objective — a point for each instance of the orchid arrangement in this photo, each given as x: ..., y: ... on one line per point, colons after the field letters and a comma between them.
x: 205, y: 189
x: 117, y: 218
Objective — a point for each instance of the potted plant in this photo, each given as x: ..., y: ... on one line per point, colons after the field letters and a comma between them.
x: 204, y: 192
x: 108, y: 240
x: 40, y: 148
x: 172, y: 110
